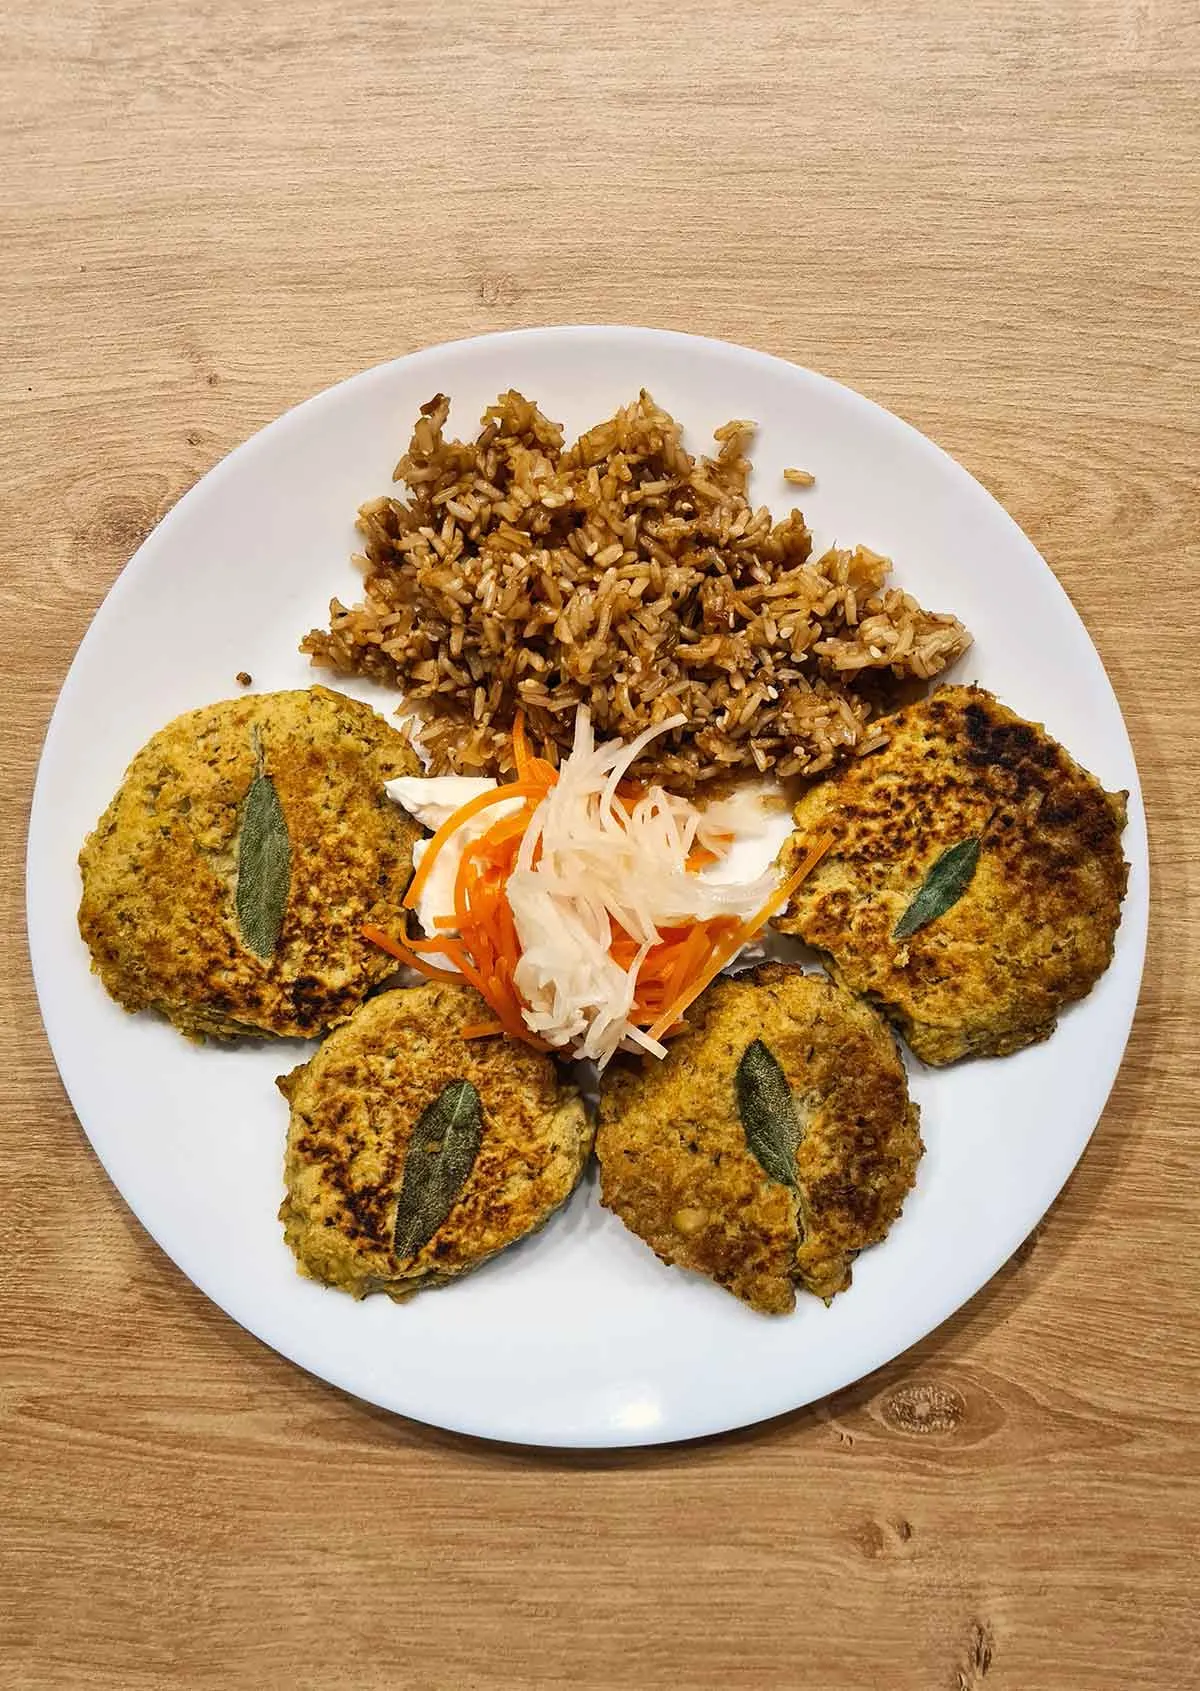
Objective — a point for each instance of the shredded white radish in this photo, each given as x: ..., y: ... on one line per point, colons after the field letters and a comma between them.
x: 606, y: 865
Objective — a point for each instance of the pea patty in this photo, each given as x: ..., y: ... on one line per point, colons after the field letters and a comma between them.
x: 678, y: 1168
x: 393, y: 1085
x: 160, y: 910
x: 1035, y: 926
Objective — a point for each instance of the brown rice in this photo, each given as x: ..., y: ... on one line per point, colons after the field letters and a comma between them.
x: 626, y: 575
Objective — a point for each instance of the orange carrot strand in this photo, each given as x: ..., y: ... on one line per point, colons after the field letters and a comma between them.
x: 783, y: 892
x: 725, y: 952
x: 514, y: 789
x: 520, y: 746
x: 398, y: 949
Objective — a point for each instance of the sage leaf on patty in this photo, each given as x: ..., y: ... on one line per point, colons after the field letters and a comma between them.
x: 441, y: 1154
x: 264, y: 864
x: 768, y: 1111
x: 942, y: 887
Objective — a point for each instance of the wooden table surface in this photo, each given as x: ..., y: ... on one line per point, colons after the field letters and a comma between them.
x: 985, y: 217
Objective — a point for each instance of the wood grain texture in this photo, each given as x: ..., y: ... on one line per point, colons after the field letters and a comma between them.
x: 984, y: 216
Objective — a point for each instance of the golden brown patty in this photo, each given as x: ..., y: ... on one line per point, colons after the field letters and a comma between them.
x: 359, y: 1107
x: 1034, y: 928
x: 677, y: 1168
x: 160, y: 910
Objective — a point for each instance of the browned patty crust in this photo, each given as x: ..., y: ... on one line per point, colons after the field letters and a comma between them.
x: 159, y: 872
x: 353, y: 1110
x: 1034, y: 929
x: 676, y: 1167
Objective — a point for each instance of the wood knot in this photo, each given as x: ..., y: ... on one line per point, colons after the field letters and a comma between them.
x: 922, y: 1409
x: 121, y: 522
x: 499, y: 290
x: 981, y: 1647
x: 877, y: 1539
x: 114, y: 525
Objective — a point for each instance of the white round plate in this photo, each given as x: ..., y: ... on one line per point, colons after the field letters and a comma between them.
x: 578, y: 1337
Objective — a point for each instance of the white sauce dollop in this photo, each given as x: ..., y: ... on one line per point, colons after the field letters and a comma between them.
x: 432, y: 800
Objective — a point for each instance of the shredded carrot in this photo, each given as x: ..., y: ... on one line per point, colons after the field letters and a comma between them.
x: 695, y: 947
x: 485, y: 948
x: 399, y: 949
x: 704, y: 942
x: 480, y: 940
x: 721, y: 954
x: 500, y: 833
x: 480, y: 937
x: 380, y: 937
x: 529, y: 767
x: 431, y: 973
x: 520, y: 744
x: 724, y: 953
x: 514, y: 790
x: 783, y: 892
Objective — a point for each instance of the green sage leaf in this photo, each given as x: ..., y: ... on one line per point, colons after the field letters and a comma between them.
x: 264, y: 866
x: 441, y: 1154
x: 942, y: 887
x: 768, y: 1111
